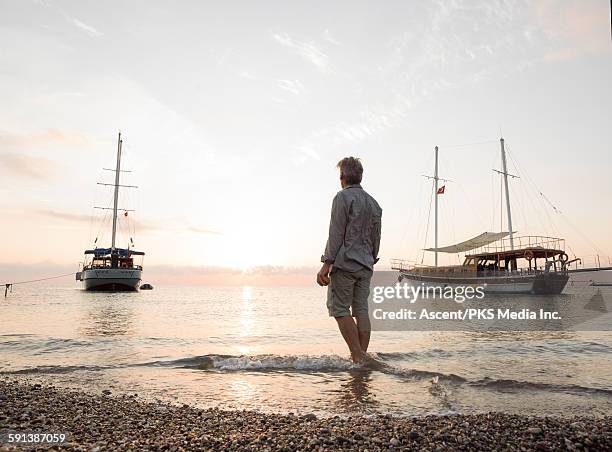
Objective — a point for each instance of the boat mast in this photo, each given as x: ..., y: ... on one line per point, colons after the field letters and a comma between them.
x: 505, y: 174
x: 436, y: 180
x: 117, y: 172
x: 436, y: 210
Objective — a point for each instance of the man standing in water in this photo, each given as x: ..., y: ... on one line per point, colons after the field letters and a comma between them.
x: 350, y: 255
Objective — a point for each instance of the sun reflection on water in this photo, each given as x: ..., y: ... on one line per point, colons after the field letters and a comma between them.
x: 246, y: 316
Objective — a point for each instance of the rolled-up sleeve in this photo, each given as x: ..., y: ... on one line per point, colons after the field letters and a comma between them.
x: 337, y: 228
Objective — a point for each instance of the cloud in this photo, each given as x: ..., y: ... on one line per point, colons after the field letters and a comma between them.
x: 13, y: 272
x: 293, y: 86
x: 368, y: 122
x: 13, y: 164
x: 140, y: 226
x: 88, y: 29
x: 203, y: 230
x: 329, y: 38
x: 304, y: 49
x: 575, y: 28
x: 64, y: 215
x: 306, y: 152
x: 47, y: 138
x: 60, y: 96
x: 455, y: 43
x: 247, y: 75
x: 14, y: 148
x: 270, y: 270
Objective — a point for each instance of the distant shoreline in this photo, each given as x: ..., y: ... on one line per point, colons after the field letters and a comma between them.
x: 107, y: 422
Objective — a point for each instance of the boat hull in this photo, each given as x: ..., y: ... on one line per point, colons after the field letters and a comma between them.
x: 541, y: 284
x: 111, y: 279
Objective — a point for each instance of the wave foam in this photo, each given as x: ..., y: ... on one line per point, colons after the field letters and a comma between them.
x: 263, y: 362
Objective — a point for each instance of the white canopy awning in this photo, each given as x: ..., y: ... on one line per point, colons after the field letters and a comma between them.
x: 480, y: 240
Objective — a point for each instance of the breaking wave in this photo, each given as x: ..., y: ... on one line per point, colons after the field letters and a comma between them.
x: 261, y: 363
x: 320, y: 363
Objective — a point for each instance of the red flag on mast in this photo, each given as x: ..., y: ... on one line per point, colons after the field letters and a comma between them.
x: 440, y: 190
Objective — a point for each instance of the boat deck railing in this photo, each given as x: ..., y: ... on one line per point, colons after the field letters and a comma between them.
x: 459, y: 271
x: 105, y: 267
x: 404, y: 265
x: 518, y: 272
x: 522, y: 242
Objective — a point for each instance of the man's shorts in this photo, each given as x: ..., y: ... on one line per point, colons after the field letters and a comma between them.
x: 347, y: 293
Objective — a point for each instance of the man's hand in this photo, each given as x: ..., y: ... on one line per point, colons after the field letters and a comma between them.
x: 323, y: 275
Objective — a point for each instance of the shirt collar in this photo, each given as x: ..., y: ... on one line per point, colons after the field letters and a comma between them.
x: 352, y: 186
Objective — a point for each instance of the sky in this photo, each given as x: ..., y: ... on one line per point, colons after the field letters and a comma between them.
x: 234, y: 115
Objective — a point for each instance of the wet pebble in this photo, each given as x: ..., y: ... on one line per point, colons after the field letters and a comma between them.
x: 105, y: 422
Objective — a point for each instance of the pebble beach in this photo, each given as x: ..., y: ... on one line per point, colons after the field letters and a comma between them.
x: 105, y: 421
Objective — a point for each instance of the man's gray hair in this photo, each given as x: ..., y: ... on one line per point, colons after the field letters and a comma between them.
x: 351, y: 170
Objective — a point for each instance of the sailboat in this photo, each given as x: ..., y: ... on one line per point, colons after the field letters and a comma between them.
x: 499, y: 262
x: 114, y: 268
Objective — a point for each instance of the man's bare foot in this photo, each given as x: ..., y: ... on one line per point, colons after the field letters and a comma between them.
x: 359, y: 358
x: 370, y: 362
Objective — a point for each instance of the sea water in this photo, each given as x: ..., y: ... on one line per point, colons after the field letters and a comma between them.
x: 274, y: 349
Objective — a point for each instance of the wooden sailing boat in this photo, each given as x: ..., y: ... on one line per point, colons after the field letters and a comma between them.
x: 112, y: 268
x: 500, y: 262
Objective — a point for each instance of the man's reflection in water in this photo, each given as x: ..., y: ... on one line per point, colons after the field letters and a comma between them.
x: 355, y: 395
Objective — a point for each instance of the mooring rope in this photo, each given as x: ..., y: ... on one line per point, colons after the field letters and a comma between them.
x: 9, y: 286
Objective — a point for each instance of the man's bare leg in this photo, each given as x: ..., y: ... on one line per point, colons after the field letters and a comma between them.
x: 349, y: 331
x: 364, y: 328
